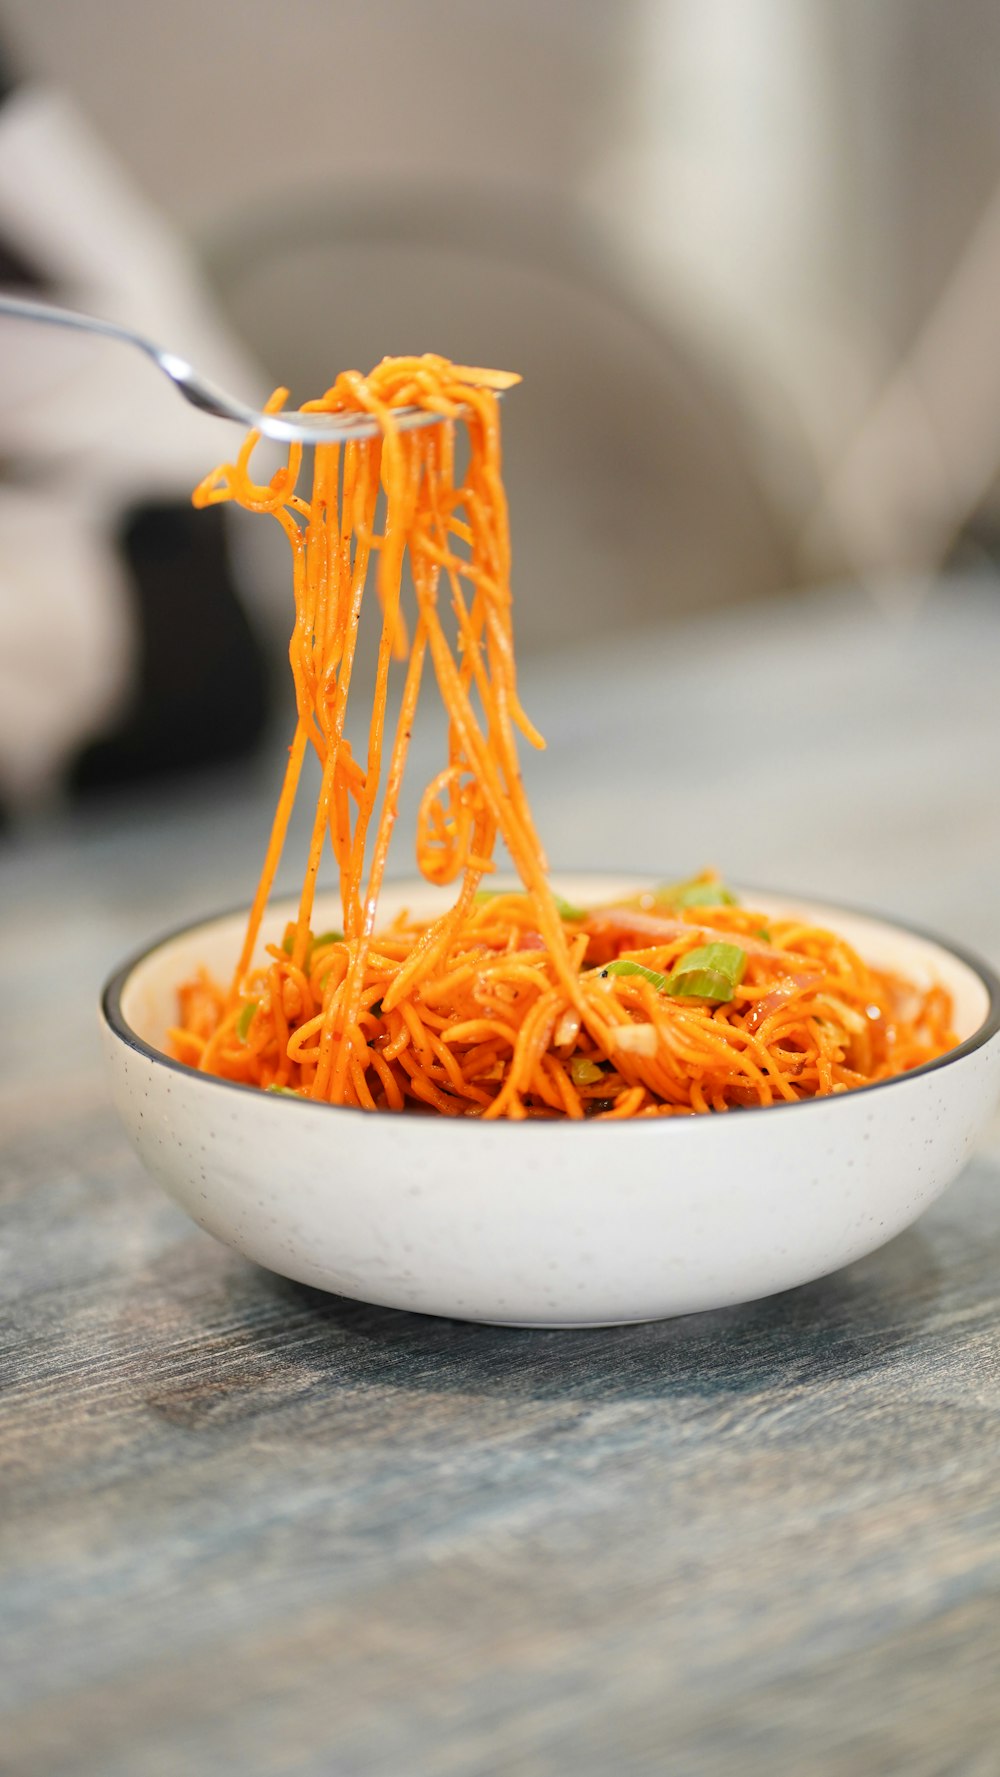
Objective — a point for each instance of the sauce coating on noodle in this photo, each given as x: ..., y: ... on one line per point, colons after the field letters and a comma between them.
x: 509, y: 1004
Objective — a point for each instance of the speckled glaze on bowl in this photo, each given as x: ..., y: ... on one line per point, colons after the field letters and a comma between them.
x: 551, y: 1224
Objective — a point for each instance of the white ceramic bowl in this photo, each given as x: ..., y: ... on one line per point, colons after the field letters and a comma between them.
x: 554, y: 1224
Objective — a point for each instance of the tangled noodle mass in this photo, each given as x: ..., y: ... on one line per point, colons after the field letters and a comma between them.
x: 509, y: 1004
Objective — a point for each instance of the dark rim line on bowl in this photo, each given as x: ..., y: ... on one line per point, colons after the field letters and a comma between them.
x: 114, y: 1017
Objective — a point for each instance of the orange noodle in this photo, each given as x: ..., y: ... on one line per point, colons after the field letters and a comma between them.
x: 509, y: 1004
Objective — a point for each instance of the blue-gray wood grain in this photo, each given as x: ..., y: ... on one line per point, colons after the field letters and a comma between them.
x: 248, y: 1528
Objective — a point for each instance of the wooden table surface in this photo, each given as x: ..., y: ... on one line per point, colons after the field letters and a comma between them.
x: 251, y: 1529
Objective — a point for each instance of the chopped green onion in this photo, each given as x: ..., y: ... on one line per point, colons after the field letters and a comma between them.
x: 624, y: 966
x: 584, y: 1072
x: 313, y: 944
x: 321, y: 943
x: 287, y: 1091
x: 698, y: 892
x: 565, y: 909
x: 701, y: 984
x: 245, y: 1020
x: 711, y: 972
x: 762, y: 932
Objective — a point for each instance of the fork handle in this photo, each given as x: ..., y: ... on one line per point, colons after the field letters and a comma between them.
x: 27, y: 309
x: 198, y: 390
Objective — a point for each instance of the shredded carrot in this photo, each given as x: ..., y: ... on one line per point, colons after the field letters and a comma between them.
x: 503, y: 1006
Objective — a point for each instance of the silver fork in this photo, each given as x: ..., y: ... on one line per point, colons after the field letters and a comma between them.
x: 293, y: 428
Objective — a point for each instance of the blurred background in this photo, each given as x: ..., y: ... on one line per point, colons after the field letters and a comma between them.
x: 747, y: 256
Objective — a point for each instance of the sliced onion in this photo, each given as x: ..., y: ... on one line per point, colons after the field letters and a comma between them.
x: 621, y: 920
x: 795, y: 982
x: 567, y: 1030
x: 636, y: 1039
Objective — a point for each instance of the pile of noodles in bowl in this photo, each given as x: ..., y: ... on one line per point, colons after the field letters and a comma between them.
x: 552, y: 1221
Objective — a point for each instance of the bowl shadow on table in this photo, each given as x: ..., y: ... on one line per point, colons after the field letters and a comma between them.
x: 269, y: 1343
x: 838, y: 1327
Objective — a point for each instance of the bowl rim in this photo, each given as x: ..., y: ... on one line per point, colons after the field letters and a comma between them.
x: 114, y: 987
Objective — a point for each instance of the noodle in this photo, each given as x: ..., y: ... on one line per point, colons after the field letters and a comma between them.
x: 509, y: 1004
